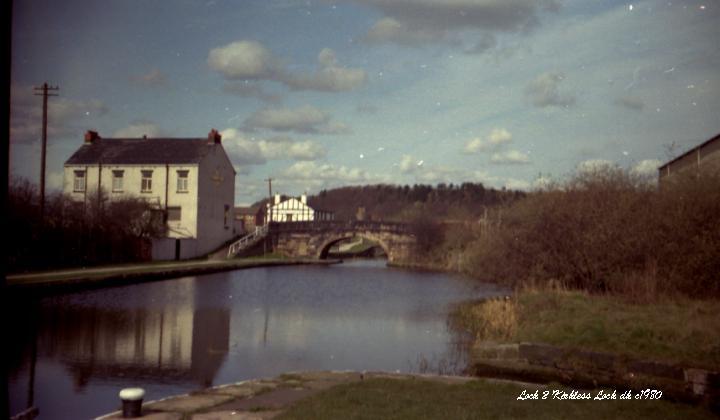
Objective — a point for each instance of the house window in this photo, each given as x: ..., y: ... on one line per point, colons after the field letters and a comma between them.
x: 174, y: 214
x: 117, y: 181
x: 146, y: 185
x: 79, y: 181
x: 227, y: 213
x: 182, y: 181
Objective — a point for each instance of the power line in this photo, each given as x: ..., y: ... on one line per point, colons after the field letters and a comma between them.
x: 44, y: 91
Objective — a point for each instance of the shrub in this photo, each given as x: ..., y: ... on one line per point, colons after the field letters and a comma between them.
x: 606, y: 232
x: 77, y: 234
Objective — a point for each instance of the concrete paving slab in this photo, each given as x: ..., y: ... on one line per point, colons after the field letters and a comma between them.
x: 236, y: 415
x: 189, y: 403
x: 237, y: 391
x: 273, y: 400
x: 151, y: 416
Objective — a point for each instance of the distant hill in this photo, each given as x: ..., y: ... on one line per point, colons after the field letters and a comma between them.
x: 395, y: 202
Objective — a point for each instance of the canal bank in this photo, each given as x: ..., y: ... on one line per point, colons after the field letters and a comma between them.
x: 69, y: 280
x: 372, y: 395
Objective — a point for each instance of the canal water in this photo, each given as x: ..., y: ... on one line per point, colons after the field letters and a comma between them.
x: 71, y: 354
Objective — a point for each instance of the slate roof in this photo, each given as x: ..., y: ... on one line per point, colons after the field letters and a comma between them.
x: 141, y: 151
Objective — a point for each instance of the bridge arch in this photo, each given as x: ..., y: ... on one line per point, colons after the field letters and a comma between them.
x: 324, y: 248
x: 313, y: 239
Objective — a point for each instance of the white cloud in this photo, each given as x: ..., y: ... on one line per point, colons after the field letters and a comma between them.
x: 330, y: 77
x: 510, y: 157
x: 497, y: 137
x: 250, y: 60
x: 409, y: 164
x: 242, y: 151
x: 516, y: 184
x: 327, y: 58
x: 475, y: 145
x: 285, y: 148
x: 646, y: 168
x: 543, y: 183
x: 434, y: 174
x: 251, y: 151
x: 140, y: 129
x: 438, y: 173
x: 327, y: 172
x: 594, y: 165
x: 245, y: 60
x: 543, y: 91
x: 304, y: 119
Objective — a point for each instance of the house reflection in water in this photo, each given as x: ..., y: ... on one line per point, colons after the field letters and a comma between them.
x: 156, y: 344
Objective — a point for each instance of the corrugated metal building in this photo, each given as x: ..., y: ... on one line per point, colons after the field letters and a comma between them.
x: 700, y: 160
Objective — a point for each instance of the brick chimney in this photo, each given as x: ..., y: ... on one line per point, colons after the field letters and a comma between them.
x: 91, y: 137
x: 214, y: 137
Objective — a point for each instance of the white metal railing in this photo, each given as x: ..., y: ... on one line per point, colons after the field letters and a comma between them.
x: 247, y: 240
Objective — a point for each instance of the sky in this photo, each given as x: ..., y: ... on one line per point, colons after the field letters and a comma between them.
x: 319, y: 94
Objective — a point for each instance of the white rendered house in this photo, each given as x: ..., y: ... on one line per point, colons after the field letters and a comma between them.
x: 295, y: 210
x: 191, y: 180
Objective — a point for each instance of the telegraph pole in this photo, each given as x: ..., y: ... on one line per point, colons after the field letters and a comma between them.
x: 44, y: 91
x: 270, y: 203
x: 269, y: 212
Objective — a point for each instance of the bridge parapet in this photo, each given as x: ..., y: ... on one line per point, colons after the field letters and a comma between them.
x: 340, y: 226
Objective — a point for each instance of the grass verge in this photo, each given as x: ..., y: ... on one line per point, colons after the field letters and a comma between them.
x: 674, y: 330
x: 424, y: 399
x: 267, y: 256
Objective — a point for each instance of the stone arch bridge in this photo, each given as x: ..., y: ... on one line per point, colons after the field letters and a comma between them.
x: 314, y: 239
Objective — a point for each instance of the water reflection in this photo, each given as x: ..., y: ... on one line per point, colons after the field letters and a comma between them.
x: 183, y: 341
x: 179, y: 335
x: 175, y: 344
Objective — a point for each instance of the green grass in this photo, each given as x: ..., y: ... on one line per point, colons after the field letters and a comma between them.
x: 675, y: 330
x: 423, y: 399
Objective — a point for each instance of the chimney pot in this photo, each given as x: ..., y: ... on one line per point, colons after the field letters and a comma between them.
x: 303, y: 198
x: 214, y: 137
x: 91, y: 137
x: 277, y: 198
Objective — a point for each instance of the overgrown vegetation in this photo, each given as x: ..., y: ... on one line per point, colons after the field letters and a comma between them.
x: 71, y: 234
x: 603, y: 232
x: 674, y: 330
x: 422, y: 399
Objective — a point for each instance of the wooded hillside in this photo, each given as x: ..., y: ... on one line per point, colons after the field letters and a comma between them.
x: 395, y: 202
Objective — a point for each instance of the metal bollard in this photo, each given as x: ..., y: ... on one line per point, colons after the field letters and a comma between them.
x: 132, y: 402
